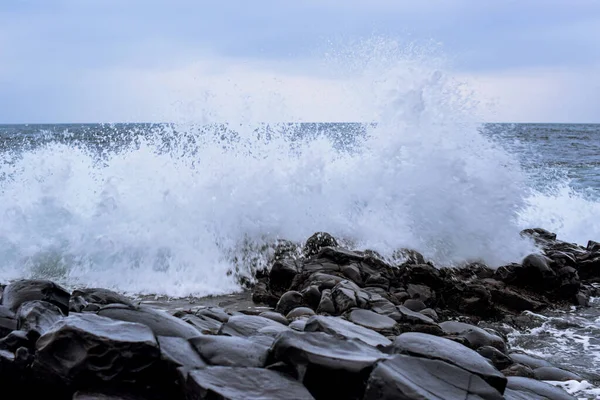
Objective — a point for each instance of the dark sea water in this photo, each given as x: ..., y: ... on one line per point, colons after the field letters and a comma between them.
x: 170, y: 209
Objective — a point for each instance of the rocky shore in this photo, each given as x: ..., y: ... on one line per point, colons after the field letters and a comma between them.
x: 334, y: 324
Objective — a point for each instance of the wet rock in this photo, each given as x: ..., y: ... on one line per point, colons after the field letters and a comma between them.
x: 330, y: 367
x: 282, y: 275
x: 352, y: 272
x: 342, y: 328
x: 248, y: 325
x: 539, y: 233
x: 409, y: 257
x: 421, y: 292
x: 92, y: 308
x: 22, y: 291
x: 8, y: 321
x: 401, y: 296
x: 589, y: 269
x: 102, y: 296
x: 569, y: 283
x: 203, y: 324
x: 298, y: 324
x: 317, y: 241
x: 477, y: 337
x: 377, y: 280
x: 178, y: 352
x: 498, y: 359
x: 382, y: 306
x: 323, y: 281
x: 519, y: 388
x: 472, y: 299
x: 72, y: 350
x: 518, y: 369
x: 300, y: 312
x: 85, y: 395
x: 406, y: 315
x: 344, y: 298
x: 36, y: 317
x: 231, y: 351
x: 262, y: 295
x: 554, y: 374
x: 433, y: 347
x: 428, y: 312
x: 215, y: 313
x: 312, y: 296
x: 161, y: 323
x: 289, y: 301
x: 593, y: 246
x: 77, y: 304
x: 423, y: 274
x: 326, y: 305
x: 582, y: 299
x: 371, y: 320
x: 275, y: 316
x: 414, y: 305
x: 14, y: 340
x: 515, y: 301
x: 339, y: 255
x: 232, y: 383
x: 530, y: 361
x: 405, y: 377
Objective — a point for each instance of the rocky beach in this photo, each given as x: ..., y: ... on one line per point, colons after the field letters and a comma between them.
x: 325, y: 322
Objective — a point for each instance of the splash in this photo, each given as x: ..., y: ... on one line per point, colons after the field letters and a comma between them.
x: 170, y: 209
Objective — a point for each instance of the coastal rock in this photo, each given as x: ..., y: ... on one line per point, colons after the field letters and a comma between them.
x: 477, y: 337
x: 429, y: 312
x: 95, y: 395
x: 343, y: 297
x: 288, y: 301
x: 177, y: 352
x: 531, y: 361
x: 498, y: 358
x: 102, y: 296
x: 300, y: 312
x: 326, y: 305
x: 8, y: 321
x: 312, y: 296
x: 249, y: 325
x: 405, y: 377
x: 232, y: 383
x: 423, y: 274
x: 203, y: 324
x: 414, y: 305
x: 215, y: 313
x: 433, y: 347
x: 298, y: 324
x: 518, y: 369
x: 406, y: 315
x: 317, y: 241
x: 21, y: 291
x: 554, y: 374
x: 231, y: 351
x: 342, y: 328
x: 72, y: 350
x: 161, y: 323
x: 282, y: 275
x: 422, y: 293
x: 519, y: 388
x: 515, y: 301
x: 14, y: 340
x: 371, y: 320
x: 77, y: 304
x: 275, y: 316
x: 36, y: 317
x: 409, y: 257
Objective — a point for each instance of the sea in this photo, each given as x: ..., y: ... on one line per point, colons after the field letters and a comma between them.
x: 184, y: 209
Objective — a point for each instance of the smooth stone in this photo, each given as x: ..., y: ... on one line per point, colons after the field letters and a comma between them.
x: 340, y: 327
x: 371, y: 320
x: 519, y: 388
x: 414, y: 305
x: 248, y: 325
x: 77, y: 304
x: 498, y: 358
x: 204, y: 325
x: 8, y: 321
x: 554, y: 374
x: 234, y: 383
x: 475, y: 335
x: 326, y: 305
x: 102, y: 296
x: 22, y: 291
x: 288, y: 301
x: 81, y: 395
x: 275, y: 316
x: 178, y: 352
x: 406, y: 315
x: 429, y: 312
x: 434, y: 347
x: 231, y: 351
x: 530, y: 361
x: 405, y: 377
x: 517, y: 369
x: 300, y: 312
x: 161, y: 323
x: 37, y: 317
x: 70, y: 349
x: 14, y: 340
x: 216, y: 313
x: 312, y: 296
x: 352, y: 272
x: 344, y: 298
x: 298, y: 324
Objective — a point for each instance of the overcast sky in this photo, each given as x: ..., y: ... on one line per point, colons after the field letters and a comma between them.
x: 147, y: 60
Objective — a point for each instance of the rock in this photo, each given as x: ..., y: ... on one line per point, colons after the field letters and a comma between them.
x: 405, y: 377
x: 377, y: 280
x: 498, y: 359
x: 231, y: 351
x: 428, y: 312
x: 84, y: 395
x: 477, y: 337
x: 519, y: 388
x: 161, y: 323
x: 518, y: 370
x: 326, y: 305
x: 203, y: 324
x: 36, y: 317
x: 408, y: 256
x: 515, y: 301
x: 317, y: 241
x: 423, y: 274
x: 102, y: 296
x: 342, y: 328
x: 401, y: 296
x: 406, y: 315
x: 177, y: 352
x: 324, y: 281
x: 312, y: 296
x: 19, y: 292
x: 371, y: 320
x: 248, y: 325
x: 233, y: 383
x: 92, y: 308
x: 72, y: 350
x: 352, y: 272
x: 539, y: 233
x: 275, y: 316
x: 534, y: 272
x: 330, y: 367
x: 262, y: 295
x: 530, y: 361
x: 421, y: 292
x: 282, y: 275
x: 77, y: 304
x: 414, y: 305
x: 215, y: 313
x: 14, y: 340
x: 289, y: 301
x: 298, y: 324
x: 8, y: 321
x: 554, y: 374
x: 344, y: 298
x: 569, y: 283
x: 433, y: 347
x: 300, y: 312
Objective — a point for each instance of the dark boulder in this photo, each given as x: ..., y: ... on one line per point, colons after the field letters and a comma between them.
x: 518, y: 369
x: 423, y: 274
x: 177, y: 352
x: 77, y: 304
x: 531, y: 361
x: 405, y: 377
x: 235, y: 383
x: 312, y: 296
x: 104, y: 395
x: 300, y: 312
x: 414, y: 305
x: 215, y: 313
x: 371, y: 320
x: 249, y: 325
x: 282, y: 275
x: 102, y: 296
x: 539, y: 234
x: 231, y: 351
x: 203, y: 324
x: 519, y: 388
x: 317, y: 241
x: 8, y: 321
x: 568, y: 282
x: 37, y: 317
x: 403, y: 314
x: 14, y: 340
x: 275, y: 316
x: 161, y: 323
x: 515, y: 301
x: 554, y: 374
x: 496, y: 357
x: 342, y: 328
x: 476, y: 336
x: 19, y: 292
x: 433, y: 347
x: 326, y: 305
x: 422, y: 293
x: 289, y: 301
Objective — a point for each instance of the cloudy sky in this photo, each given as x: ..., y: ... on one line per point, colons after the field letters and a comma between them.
x: 149, y: 60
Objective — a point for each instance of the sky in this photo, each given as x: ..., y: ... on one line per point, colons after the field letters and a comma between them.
x: 133, y: 61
